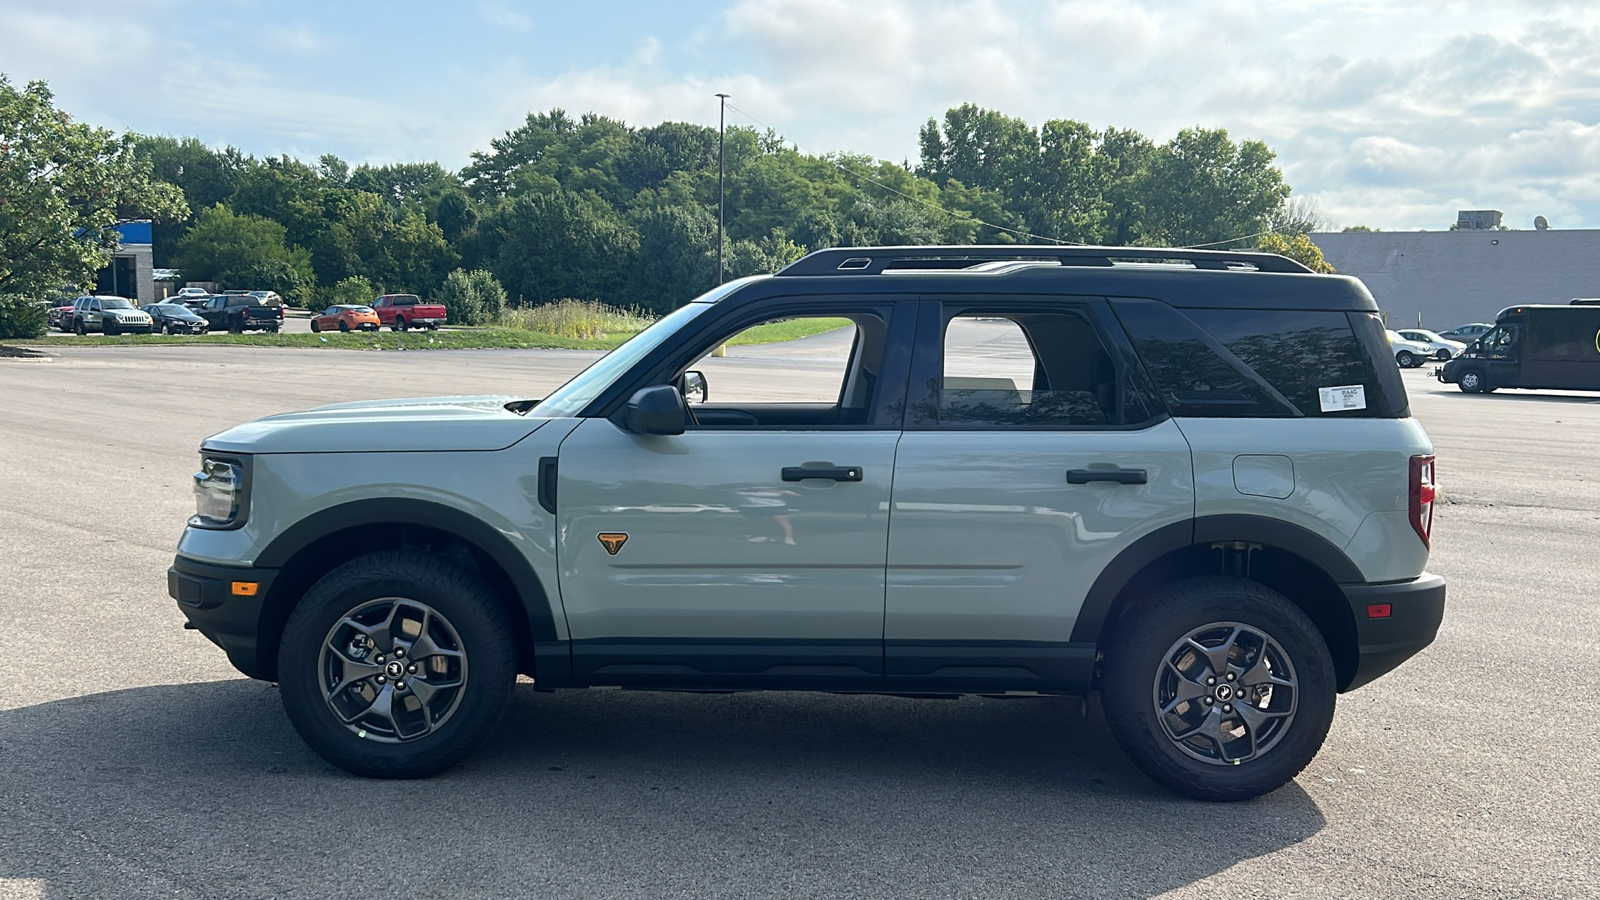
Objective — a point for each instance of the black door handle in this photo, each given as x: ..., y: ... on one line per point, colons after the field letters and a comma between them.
x: 1120, y: 476
x: 835, y: 473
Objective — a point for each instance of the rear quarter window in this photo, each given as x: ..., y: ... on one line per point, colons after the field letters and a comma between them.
x: 1255, y: 363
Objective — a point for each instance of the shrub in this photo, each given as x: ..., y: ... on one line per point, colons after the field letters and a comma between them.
x: 21, y: 317
x: 354, y: 291
x: 577, y: 319
x: 472, y: 298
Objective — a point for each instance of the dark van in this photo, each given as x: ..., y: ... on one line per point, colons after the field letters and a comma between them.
x: 1551, y: 347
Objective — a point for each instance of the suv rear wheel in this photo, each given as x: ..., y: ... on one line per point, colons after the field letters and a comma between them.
x: 1218, y: 688
x: 396, y: 665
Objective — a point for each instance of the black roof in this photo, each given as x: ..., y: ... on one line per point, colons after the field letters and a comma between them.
x: 1183, y: 278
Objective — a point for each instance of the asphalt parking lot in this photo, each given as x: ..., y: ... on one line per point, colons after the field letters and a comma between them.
x: 134, y: 762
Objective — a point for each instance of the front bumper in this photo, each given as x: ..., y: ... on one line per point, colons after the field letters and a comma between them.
x: 224, y: 604
x: 1387, y: 638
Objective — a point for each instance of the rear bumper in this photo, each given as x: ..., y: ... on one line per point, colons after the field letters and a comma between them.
x: 220, y: 607
x: 1415, y: 609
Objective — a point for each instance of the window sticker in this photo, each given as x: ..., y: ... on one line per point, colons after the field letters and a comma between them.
x: 1339, y: 399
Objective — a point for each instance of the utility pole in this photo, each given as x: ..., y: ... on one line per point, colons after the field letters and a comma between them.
x: 722, y: 117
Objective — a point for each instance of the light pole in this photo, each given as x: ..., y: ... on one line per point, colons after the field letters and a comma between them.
x: 722, y: 114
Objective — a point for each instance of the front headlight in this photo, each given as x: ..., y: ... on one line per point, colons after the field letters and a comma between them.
x: 219, y: 493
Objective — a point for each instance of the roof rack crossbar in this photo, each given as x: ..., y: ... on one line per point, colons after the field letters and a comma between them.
x: 875, y: 260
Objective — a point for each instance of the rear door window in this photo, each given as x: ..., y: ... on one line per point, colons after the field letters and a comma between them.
x: 1028, y: 368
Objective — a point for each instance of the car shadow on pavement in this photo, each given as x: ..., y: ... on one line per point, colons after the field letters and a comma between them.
x: 205, y: 790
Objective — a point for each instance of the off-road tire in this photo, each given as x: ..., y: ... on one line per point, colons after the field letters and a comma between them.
x: 469, y: 607
x: 1136, y: 653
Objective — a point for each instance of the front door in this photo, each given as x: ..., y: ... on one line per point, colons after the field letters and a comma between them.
x: 750, y: 550
x: 1029, y: 466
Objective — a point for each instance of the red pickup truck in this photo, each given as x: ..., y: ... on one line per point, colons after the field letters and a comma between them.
x: 402, y: 311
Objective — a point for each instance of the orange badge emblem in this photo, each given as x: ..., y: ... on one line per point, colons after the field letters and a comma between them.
x: 613, y: 540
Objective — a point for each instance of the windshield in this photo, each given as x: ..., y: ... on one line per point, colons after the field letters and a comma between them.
x: 573, y: 396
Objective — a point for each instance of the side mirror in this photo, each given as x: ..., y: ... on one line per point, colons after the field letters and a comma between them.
x: 657, y: 409
x: 694, y: 388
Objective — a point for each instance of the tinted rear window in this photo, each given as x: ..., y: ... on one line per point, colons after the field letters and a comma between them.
x: 1261, y: 363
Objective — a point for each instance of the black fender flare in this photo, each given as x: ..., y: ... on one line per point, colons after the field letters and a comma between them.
x: 403, y: 511
x: 1203, y: 531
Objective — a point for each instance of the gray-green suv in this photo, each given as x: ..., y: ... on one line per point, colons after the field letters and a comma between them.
x: 1188, y: 480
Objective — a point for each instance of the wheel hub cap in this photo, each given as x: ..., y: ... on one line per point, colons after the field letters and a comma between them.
x: 392, y: 670
x: 1225, y: 693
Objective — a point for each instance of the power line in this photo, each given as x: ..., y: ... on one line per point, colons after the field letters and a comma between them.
x: 934, y: 206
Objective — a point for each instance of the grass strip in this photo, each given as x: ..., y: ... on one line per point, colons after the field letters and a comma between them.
x: 451, y: 339
x: 787, y: 330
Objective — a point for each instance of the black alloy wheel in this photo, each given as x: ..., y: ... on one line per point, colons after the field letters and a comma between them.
x: 315, y: 328
x: 397, y: 664
x: 1218, y: 688
x: 344, y: 326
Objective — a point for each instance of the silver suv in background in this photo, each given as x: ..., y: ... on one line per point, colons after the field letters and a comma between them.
x: 108, y: 315
x: 1025, y: 471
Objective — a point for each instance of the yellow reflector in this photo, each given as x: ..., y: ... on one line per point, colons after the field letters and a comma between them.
x: 244, y: 588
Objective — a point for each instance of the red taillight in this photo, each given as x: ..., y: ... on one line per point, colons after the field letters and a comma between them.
x: 1424, y: 489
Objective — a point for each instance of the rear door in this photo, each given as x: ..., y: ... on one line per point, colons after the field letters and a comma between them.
x: 1031, y: 459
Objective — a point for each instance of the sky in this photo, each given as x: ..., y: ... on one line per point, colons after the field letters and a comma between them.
x: 1386, y: 113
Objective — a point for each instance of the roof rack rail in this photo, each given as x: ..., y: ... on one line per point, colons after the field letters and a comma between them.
x: 874, y: 260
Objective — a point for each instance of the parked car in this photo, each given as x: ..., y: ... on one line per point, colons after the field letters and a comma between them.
x: 61, y: 317
x: 402, y: 311
x: 1231, y: 538
x: 1407, y: 354
x: 108, y: 315
x: 345, y: 318
x: 192, y: 292
x: 1442, y: 347
x: 1466, y: 333
x: 1552, y: 347
x: 271, y: 296
x: 175, y: 318
x: 241, y: 312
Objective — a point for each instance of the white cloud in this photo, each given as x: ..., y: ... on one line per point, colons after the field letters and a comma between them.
x: 503, y: 16
x: 1390, y: 113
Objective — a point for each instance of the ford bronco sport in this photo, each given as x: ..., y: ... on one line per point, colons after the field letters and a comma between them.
x: 1187, y: 480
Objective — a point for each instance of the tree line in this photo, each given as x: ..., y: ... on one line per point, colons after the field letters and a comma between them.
x: 595, y: 208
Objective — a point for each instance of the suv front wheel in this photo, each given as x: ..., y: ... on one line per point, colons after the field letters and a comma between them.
x: 1218, y: 688
x: 396, y: 665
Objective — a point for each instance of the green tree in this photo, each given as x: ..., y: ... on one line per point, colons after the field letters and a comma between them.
x: 472, y: 298
x: 547, y: 246
x: 1203, y: 188
x: 354, y: 291
x: 206, y: 177
x: 1297, y: 247
x: 677, y: 256
x: 245, y: 252
x: 23, y: 317
x: 63, y: 186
